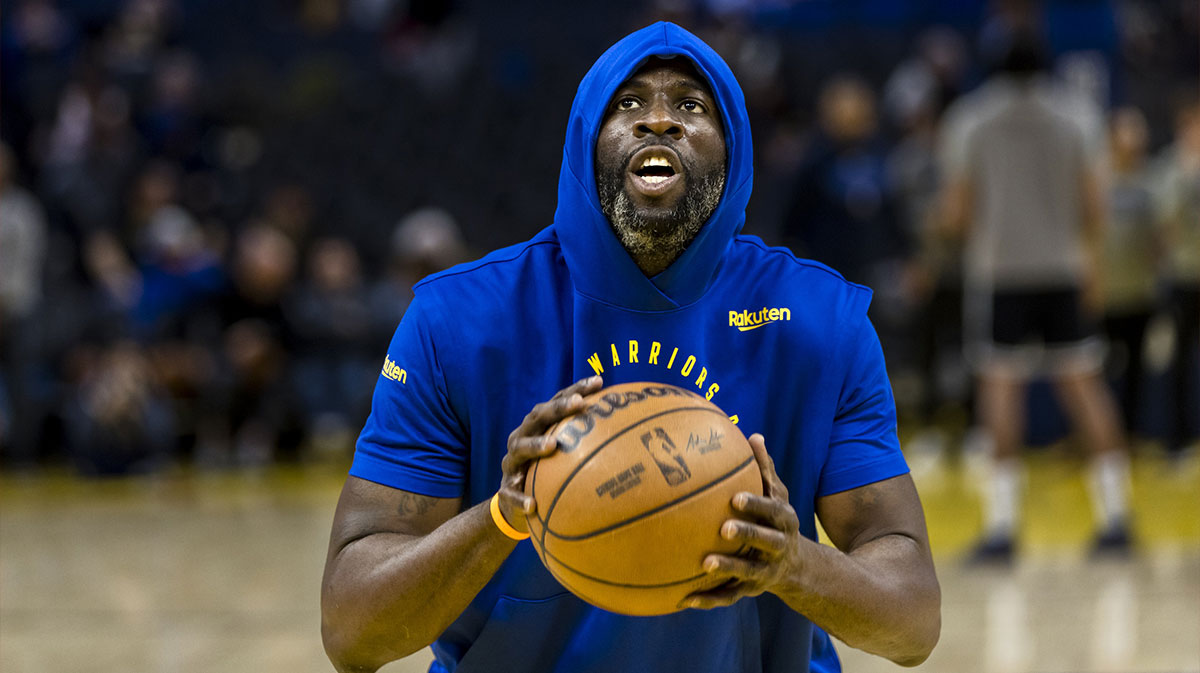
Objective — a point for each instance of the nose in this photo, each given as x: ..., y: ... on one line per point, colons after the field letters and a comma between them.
x: 658, y: 120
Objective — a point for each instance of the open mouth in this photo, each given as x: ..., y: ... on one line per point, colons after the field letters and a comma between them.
x: 654, y: 170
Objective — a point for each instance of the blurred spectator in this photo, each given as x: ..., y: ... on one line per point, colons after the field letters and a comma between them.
x: 1179, y: 180
x: 22, y: 247
x: 178, y: 272
x: 927, y: 83
x: 935, y: 276
x: 118, y: 420
x: 90, y: 149
x: 259, y: 402
x: 289, y: 209
x: 136, y: 37
x: 181, y: 279
x: 23, y: 236
x: 155, y: 187
x: 425, y: 241
x: 113, y: 274
x: 429, y: 44
x: 1021, y: 188
x: 173, y: 122
x: 332, y: 371
x: 842, y: 212
x: 37, y: 41
x: 1131, y: 256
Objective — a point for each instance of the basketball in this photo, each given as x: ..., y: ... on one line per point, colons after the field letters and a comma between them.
x: 634, y: 498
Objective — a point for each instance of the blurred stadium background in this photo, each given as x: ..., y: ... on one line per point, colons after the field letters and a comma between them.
x: 211, y: 215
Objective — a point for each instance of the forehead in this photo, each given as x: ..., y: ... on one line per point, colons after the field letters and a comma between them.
x: 673, y: 73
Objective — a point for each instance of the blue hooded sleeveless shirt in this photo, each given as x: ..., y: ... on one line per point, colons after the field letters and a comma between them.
x: 782, y: 345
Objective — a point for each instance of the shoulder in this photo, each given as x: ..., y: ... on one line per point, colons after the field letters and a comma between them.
x: 813, y: 288
x: 459, y: 303
x: 776, y: 262
x: 531, y: 269
x: 974, y: 105
x: 504, y: 262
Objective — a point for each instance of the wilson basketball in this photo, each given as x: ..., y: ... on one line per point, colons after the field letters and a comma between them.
x: 634, y: 498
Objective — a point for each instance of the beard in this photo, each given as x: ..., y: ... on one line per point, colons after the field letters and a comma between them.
x: 656, y: 237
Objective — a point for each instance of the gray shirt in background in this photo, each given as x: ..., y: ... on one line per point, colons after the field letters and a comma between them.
x: 1024, y: 150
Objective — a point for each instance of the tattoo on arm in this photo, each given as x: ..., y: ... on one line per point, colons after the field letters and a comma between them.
x: 413, y: 503
x: 866, y: 498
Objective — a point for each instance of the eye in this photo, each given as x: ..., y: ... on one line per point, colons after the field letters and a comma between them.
x: 628, y: 103
x: 693, y: 106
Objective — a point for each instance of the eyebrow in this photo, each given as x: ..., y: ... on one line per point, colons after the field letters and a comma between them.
x: 681, y: 83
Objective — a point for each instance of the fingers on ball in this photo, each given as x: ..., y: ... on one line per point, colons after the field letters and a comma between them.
x: 758, y: 537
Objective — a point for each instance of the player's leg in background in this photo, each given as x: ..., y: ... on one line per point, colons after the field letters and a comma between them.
x: 1001, y: 399
x: 1005, y: 357
x: 1093, y: 413
x: 1077, y: 369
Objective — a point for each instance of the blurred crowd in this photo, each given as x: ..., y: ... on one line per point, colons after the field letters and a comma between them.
x: 212, y: 214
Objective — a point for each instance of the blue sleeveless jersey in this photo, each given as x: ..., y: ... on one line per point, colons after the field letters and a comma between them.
x: 782, y: 345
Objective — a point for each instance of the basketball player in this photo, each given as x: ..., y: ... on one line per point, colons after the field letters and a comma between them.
x: 642, y: 276
x: 1022, y: 192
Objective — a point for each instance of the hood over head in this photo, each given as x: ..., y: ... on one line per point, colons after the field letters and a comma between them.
x: 600, y: 266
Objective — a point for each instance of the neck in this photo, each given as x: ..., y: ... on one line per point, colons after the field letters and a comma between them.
x: 655, y: 262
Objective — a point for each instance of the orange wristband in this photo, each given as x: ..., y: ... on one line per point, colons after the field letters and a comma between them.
x: 498, y: 519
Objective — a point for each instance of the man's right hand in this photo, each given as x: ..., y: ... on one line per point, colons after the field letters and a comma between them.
x: 529, y: 442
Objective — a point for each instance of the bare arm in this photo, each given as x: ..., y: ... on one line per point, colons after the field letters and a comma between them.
x: 877, y: 591
x: 955, y: 211
x: 402, y: 567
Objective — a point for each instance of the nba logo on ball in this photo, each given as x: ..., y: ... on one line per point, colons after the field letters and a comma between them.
x: 634, y: 498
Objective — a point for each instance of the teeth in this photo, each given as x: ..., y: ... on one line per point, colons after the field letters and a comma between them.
x: 654, y: 179
x: 655, y: 161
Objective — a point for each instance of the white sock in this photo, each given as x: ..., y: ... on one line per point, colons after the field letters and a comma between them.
x: 1002, y: 498
x: 1109, y: 486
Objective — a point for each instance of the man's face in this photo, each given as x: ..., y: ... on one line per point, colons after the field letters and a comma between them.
x: 660, y: 160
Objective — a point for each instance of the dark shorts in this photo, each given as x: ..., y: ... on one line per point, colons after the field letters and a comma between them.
x: 1045, y: 317
x: 1026, y: 332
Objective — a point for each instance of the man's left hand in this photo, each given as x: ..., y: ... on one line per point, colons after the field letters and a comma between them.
x: 770, y: 532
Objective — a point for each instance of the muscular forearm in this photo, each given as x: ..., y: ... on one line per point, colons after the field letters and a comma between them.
x: 883, y: 597
x: 388, y: 595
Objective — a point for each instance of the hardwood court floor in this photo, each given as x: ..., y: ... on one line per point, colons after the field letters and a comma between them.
x: 219, y: 573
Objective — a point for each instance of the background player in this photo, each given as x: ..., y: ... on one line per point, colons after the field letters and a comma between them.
x: 1021, y: 189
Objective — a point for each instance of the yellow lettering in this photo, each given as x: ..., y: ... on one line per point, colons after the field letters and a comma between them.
x: 712, y: 390
x: 655, y: 347
x: 687, y: 365
x: 734, y: 419
x: 594, y: 361
x: 733, y: 318
x: 392, y: 371
x: 633, y: 348
x: 786, y: 313
x: 700, y: 379
x: 773, y: 314
x: 672, y: 360
x: 616, y: 360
